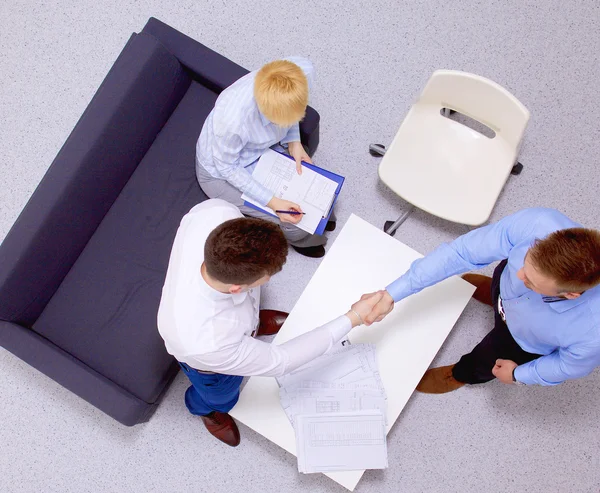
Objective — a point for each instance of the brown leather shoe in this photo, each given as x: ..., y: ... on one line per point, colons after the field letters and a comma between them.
x: 270, y: 322
x: 439, y: 381
x: 483, y: 293
x: 330, y: 226
x: 223, y: 427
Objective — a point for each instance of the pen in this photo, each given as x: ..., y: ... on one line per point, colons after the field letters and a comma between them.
x: 294, y: 213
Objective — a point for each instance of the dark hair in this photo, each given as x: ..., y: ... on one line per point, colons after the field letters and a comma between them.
x: 571, y: 257
x: 241, y: 251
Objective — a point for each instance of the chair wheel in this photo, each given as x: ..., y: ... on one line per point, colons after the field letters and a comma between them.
x: 516, y: 169
x: 377, y: 150
x: 387, y: 226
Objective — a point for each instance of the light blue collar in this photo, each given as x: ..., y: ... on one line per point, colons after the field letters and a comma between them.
x: 564, y: 305
x: 263, y: 119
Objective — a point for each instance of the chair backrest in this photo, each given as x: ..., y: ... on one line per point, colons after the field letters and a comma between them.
x: 479, y: 98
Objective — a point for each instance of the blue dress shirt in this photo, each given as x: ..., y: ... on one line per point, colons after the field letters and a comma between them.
x: 235, y: 134
x: 566, y: 333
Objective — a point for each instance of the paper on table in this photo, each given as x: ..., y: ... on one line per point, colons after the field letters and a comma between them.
x: 341, y: 441
x: 345, y: 379
x: 342, y: 365
x: 313, y: 192
x: 316, y: 400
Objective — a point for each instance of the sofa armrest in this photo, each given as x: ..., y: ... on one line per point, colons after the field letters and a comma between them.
x: 218, y: 72
x: 74, y: 375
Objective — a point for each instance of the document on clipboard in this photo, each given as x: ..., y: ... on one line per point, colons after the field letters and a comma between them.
x: 315, y: 190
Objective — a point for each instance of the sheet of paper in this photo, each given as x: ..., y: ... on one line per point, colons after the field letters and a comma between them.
x: 313, y: 192
x: 341, y: 441
x: 344, y: 380
x: 316, y: 401
x: 362, y: 259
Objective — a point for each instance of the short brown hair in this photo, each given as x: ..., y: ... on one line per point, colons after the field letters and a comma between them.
x: 281, y: 92
x: 571, y: 257
x: 241, y: 251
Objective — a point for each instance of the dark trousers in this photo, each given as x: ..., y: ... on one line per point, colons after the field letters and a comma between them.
x: 476, y: 367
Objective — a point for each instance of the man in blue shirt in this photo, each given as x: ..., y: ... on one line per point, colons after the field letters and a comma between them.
x: 545, y: 294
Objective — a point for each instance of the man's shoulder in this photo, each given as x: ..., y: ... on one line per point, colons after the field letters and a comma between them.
x: 197, y: 224
x: 214, y: 208
x: 593, y: 305
x: 542, y: 221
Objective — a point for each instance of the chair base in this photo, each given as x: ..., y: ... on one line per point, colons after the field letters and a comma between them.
x: 390, y: 227
x: 377, y: 150
x: 516, y: 169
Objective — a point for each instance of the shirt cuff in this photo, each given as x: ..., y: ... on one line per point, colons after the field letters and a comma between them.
x: 399, y: 289
x: 523, y: 374
x: 340, y: 327
x: 259, y: 193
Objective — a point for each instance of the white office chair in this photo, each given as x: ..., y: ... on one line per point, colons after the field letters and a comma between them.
x: 445, y: 167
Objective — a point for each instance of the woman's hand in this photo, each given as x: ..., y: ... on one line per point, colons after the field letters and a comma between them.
x: 297, y: 151
x: 285, y: 205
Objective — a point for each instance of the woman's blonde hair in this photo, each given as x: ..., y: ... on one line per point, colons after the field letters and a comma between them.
x: 281, y: 92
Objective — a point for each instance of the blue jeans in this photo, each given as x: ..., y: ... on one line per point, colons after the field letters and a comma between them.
x: 210, y: 391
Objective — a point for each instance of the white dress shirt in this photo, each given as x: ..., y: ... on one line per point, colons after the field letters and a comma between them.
x: 235, y: 134
x: 212, y: 331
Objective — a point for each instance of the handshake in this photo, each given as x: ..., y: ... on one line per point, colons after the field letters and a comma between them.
x: 371, y: 308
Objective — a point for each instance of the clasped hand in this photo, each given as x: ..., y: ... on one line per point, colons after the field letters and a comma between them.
x: 371, y: 308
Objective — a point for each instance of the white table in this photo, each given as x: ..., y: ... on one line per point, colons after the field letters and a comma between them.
x: 362, y: 259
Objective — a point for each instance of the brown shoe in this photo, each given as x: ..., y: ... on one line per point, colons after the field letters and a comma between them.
x: 270, y: 322
x: 483, y: 293
x: 223, y: 427
x: 439, y: 381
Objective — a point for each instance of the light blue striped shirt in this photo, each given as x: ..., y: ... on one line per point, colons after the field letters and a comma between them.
x: 566, y: 333
x: 235, y: 134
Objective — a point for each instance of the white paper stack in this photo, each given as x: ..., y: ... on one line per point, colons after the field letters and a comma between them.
x: 337, y: 405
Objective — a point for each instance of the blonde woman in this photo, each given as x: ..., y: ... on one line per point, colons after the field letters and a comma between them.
x: 259, y: 111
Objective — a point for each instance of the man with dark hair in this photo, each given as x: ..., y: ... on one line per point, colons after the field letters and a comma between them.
x: 545, y: 294
x: 209, y: 311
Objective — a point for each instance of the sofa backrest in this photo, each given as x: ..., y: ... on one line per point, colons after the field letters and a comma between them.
x: 206, y: 66
x: 114, y: 133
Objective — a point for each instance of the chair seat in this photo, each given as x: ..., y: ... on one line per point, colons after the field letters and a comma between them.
x: 445, y: 167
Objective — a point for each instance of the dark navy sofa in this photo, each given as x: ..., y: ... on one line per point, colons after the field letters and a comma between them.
x: 81, y: 270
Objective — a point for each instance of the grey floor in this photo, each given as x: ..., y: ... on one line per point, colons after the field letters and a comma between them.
x: 371, y: 63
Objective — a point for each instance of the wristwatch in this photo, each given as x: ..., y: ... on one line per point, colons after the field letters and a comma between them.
x: 515, y: 381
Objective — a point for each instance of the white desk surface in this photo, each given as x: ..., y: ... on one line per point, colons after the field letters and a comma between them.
x: 362, y: 259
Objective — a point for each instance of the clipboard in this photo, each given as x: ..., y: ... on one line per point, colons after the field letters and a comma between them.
x: 328, y: 174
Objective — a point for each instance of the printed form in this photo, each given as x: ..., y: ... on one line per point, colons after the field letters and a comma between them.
x: 337, y: 406
x: 341, y: 441
x: 313, y: 192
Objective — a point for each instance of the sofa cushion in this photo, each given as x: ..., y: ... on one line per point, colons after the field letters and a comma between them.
x: 116, y: 130
x: 104, y: 312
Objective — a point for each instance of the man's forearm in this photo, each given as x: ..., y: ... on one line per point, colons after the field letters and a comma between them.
x: 427, y: 271
x: 315, y: 343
